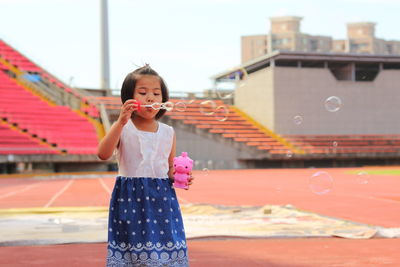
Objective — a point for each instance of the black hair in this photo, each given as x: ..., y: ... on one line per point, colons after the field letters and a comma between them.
x: 129, y: 84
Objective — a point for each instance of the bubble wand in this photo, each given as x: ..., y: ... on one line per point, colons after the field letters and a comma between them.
x: 157, y: 106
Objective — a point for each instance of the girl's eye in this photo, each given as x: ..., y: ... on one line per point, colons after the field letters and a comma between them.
x: 142, y: 93
x: 156, y: 94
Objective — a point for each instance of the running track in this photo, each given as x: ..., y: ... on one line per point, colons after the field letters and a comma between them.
x: 376, y: 203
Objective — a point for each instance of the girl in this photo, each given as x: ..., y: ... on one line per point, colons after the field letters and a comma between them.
x: 145, y: 223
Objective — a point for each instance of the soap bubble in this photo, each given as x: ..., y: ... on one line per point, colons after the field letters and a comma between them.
x: 221, y: 113
x: 224, y: 94
x: 363, y: 177
x: 320, y: 183
x: 205, y: 172
x: 208, y: 107
x: 298, y: 119
x: 225, y: 87
x: 190, y: 101
x: 333, y: 103
x: 168, y: 106
x: 180, y: 106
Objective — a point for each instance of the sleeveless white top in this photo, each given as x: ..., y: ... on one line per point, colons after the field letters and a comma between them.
x: 144, y: 154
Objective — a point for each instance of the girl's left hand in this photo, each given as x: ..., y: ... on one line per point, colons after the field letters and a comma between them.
x: 191, y: 178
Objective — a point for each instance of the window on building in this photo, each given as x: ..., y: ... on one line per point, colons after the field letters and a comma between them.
x: 286, y: 63
x: 389, y: 49
x: 312, y: 64
x: 356, y: 47
x: 340, y: 47
x: 313, y: 45
x: 366, y: 72
x: 280, y: 41
x: 391, y: 66
x: 341, y: 70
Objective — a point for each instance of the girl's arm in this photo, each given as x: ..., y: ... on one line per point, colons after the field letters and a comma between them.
x: 111, y: 140
x: 171, y: 159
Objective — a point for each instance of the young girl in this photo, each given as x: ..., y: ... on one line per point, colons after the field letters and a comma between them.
x: 145, y: 222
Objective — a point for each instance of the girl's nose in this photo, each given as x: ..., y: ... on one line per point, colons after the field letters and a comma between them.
x: 150, y: 99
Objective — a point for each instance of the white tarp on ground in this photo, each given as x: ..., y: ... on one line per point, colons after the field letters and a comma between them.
x: 89, y: 224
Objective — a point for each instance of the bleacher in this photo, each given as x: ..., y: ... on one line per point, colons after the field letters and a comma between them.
x: 346, y: 144
x: 14, y: 142
x: 231, y: 125
x: 238, y: 128
x: 44, y: 127
x: 234, y: 126
x: 21, y: 63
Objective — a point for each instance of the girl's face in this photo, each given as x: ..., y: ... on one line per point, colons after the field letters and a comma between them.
x: 147, y: 91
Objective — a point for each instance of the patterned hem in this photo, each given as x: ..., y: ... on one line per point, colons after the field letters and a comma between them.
x: 174, y: 257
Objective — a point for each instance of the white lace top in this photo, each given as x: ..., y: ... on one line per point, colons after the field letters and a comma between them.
x: 144, y: 154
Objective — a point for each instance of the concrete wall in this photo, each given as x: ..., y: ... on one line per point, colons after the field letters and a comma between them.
x: 256, y: 97
x: 367, y: 107
x: 209, y: 151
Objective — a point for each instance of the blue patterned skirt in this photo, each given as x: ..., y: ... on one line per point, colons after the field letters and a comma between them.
x: 145, y: 226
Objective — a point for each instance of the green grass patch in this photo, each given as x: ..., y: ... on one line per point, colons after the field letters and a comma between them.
x: 376, y: 172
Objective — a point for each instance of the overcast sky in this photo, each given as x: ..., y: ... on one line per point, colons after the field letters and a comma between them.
x: 186, y: 41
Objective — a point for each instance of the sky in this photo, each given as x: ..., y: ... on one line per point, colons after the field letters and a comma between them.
x: 185, y: 41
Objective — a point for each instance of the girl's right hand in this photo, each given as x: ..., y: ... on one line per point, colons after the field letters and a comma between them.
x: 127, y: 109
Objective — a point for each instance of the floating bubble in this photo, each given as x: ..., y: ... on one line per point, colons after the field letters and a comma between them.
x: 169, y: 106
x: 298, y: 119
x: 335, y: 144
x: 208, y: 107
x: 224, y: 94
x: 225, y: 87
x: 189, y: 101
x: 180, y: 106
x: 320, y: 183
x: 289, y: 154
x: 221, y: 113
x: 205, y: 172
x: 363, y: 177
x: 333, y: 103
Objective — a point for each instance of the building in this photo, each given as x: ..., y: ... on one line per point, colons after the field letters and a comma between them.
x: 285, y: 35
x: 283, y: 85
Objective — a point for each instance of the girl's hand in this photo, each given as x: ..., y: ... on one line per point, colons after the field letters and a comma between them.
x: 127, y: 109
x: 191, y: 178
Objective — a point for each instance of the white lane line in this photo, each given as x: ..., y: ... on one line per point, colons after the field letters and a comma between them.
x: 103, y: 184
x: 59, y: 193
x: 26, y: 188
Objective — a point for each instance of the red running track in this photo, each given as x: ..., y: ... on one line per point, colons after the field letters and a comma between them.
x: 376, y: 203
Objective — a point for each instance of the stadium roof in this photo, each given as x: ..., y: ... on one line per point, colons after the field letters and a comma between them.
x: 294, y: 56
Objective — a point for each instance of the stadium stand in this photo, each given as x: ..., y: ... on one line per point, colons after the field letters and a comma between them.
x: 241, y: 129
x: 14, y: 142
x: 57, y: 125
x: 17, y: 61
x: 26, y: 108
x: 346, y: 144
x: 233, y: 125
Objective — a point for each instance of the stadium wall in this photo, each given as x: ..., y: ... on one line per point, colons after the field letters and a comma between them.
x: 275, y: 95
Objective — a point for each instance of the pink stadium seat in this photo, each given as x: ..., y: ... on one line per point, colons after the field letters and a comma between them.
x: 59, y: 126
